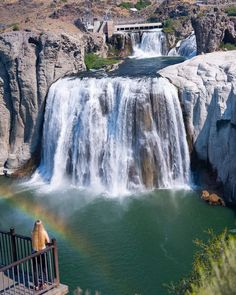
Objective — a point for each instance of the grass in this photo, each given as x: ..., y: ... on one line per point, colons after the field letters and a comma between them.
x: 231, y: 11
x: 15, y: 27
x: 168, y: 26
x: 93, y: 61
x: 126, y: 5
x: 228, y: 46
x: 171, y: 25
x: 214, y: 268
x: 141, y: 4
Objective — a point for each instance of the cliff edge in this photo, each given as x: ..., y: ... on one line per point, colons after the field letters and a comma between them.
x: 207, y: 91
x: 29, y: 63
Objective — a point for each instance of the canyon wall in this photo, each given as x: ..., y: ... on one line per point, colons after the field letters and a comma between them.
x: 29, y: 63
x: 213, y: 30
x: 207, y: 90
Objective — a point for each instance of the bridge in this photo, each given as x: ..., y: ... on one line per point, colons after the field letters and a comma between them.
x: 21, y: 271
x: 137, y: 27
x: 108, y: 28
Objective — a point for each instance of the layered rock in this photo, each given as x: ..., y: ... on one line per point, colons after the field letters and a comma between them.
x: 29, y: 63
x: 211, y: 29
x: 207, y: 90
x: 122, y: 44
x: 176, y: 17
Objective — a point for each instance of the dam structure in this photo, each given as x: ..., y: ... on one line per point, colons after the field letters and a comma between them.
x: 110, y: 28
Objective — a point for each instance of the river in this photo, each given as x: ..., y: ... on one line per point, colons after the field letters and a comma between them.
x: 119, y: 201
x: 126, y: 245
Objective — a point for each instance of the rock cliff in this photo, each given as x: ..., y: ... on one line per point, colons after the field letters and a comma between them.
x: 211, y: 29
x: 207, y: 90
x: 29, y: 63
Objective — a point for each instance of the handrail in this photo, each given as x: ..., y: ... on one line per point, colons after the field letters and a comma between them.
x: 19, y: 266
x: 38, y: 253
x: 17, y: 235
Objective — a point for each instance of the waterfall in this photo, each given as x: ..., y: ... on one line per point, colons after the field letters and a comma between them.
x: 114, y: 134
x: 186, y: 47
x: 149, y: 44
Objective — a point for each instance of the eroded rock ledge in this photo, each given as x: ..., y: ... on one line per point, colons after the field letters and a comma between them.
x: 29, y: 63
x: 207, y: 90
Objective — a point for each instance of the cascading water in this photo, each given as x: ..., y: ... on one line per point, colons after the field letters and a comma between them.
x: 114, y: 134
x: 149, y: 44
x: 186, y: 47
x: 154, y: 44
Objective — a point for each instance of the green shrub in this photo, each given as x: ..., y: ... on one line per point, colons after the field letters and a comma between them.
x: 93, y: 61
x: 15, y: 27
x: 228, y: 46
x: 141, y: 4
x: 231, y: 11
x: 126, y: 5
x: 214, y: 268
x: 168, y: 26
x: 153, y: 19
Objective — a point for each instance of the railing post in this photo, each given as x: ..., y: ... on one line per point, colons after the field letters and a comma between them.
x: 13, y: 243
x: 56, y: 266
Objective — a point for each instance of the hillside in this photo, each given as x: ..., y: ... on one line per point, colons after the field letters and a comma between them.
x: 57, y: 15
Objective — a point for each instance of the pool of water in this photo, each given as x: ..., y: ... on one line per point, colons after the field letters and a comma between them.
x: 119, y: 246
x: 127, y: 245
x: 132, y: 67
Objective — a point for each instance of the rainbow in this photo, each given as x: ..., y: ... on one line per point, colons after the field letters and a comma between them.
x: 79, y: 242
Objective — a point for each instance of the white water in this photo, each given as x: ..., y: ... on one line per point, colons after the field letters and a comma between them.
x: 108, y: 134
x: 154, y: 44
x: 186, y: 47
x: 149, y: 44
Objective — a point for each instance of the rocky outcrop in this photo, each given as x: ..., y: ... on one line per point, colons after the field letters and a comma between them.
x: 175, y: 9
x: 212, y: 26
x: 176, y: 17
x: 121, y: 43
x: 186, y: 47
x: 211, y: 29
x: 207, y: 90
x: 29, y: 63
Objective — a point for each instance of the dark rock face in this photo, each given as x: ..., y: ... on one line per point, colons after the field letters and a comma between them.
x: 175, y: 9
x: 211, y: 29
x: 122, y: 43
x: 29, y: 64
x: 176, y: 17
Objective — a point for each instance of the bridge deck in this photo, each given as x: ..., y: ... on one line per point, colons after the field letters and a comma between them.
x: 138, y: 27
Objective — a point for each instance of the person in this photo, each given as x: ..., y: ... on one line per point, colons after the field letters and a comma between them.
x: 39, y: 240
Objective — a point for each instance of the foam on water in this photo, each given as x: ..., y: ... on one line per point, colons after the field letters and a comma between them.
x: 114, y: 135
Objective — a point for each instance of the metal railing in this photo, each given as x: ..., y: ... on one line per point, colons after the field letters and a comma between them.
x: 24, y: 272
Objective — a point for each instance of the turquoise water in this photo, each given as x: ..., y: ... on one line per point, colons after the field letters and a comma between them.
x: 119, y: 246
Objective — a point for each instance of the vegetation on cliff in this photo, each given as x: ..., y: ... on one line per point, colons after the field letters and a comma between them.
x: 231, y: 11
x: 227, y: 46
x: 214, y: 268
x: 141, y: 4
x: 168, y: 26
x: 93, y: 61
